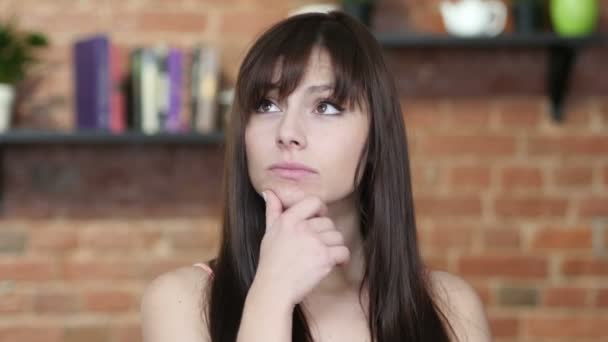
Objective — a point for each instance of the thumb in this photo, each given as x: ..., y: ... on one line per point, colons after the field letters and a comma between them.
x: 274, y: 207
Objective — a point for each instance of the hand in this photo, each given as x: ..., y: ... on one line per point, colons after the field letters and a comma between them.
x: 300, y: 247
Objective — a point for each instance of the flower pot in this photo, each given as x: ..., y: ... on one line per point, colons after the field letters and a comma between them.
x: 574, y: 18
x: 7, y: 97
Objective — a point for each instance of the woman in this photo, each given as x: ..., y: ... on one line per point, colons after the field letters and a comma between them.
x: 319, y: 238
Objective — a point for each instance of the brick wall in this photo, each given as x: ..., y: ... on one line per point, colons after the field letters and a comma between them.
x: 513, y: 202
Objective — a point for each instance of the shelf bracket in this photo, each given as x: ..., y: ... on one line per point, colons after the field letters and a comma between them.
x: 561, y: 62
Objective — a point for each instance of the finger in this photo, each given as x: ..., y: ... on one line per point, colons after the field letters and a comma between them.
x: 309, y: 207
x: 321, y: 224
x: 339, y: 254
x: 274, y: 207
x: 332, y: 238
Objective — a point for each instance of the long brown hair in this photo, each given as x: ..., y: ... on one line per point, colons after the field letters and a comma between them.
x: 401, y: 307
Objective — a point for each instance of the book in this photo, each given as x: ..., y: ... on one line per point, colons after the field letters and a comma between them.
x: 118, y: 75
x: 173, y: 122
x: 135, y: 90
x: 149, y: 88
x: 161, y: 53
x: 205, y: 84
x: 92, y: 85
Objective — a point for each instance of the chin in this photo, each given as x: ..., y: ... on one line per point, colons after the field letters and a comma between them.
x: 289, y: 195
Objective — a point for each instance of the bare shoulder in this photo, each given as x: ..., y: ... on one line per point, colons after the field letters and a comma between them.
x: 171, y: 306
x: 462, y: 306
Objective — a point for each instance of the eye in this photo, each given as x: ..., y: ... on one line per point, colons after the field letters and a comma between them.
x: 330, y: 108
x: 267, y: 106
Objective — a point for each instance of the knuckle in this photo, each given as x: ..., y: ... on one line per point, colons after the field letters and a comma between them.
x: 340, y: 238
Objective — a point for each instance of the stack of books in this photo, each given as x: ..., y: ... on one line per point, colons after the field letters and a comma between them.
x: 146, y: 89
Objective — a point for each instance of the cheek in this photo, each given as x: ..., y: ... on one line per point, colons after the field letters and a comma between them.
x: 342, y: 157
x: 255, y: 151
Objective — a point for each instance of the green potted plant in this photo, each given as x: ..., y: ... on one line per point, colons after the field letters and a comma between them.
x: 17, y: 55
x: 360, y: 9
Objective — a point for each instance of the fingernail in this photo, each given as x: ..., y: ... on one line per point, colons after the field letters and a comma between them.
x: 264, y: 195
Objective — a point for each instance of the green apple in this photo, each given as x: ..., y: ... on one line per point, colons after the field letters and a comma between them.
x: 574, y: 17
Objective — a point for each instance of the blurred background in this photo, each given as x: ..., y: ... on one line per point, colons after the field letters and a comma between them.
x: 103, y: 186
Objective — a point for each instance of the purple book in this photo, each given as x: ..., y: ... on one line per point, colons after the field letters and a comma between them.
x: 174, y: 64
x: 91, y: 70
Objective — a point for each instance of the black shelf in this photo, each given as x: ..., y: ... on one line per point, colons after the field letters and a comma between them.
x: 16, y: 138
x: 402, y: 40
x: 35, y: 137
x: 562, y: 53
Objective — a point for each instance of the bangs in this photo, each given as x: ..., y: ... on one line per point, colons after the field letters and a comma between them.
x: 280, y: 58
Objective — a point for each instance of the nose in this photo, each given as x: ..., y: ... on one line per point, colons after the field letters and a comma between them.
x: 290, y: 133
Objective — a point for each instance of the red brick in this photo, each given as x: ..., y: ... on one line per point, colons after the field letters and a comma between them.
x: 85, y: 21
x: 602, y: 297
x: 436, y: 262
x: 27, y: 270
x: 585, y: 267
x: 508, y: 266
x: 458, y: 146
x: 176, y: 22
x: 420, y: 113
x: 56, y: 240
x: 128, y: 333
x: 572, y: 327
x: 566, y: 297
x: 593, y: 206
x: 530, y: 207
x: 520, y: 112
x: 426, y: 177
x: 504, y: 327
x: 109, y: 301
x: 109, y: 238
x: 13, y: 303
x: 194, y: 238
x: 468, y: 113
x: 469, y: 177
x: 100, y: 270
x: 89, y: 333
x: 450, y: 236
x: 578, y: 146
x: 573, y: 176
x: 562, y: 239
x: 579, y: 114
x: 248, y: 24
x: 501, y: 238
x: 30, y: 332
x: 56, y: 302
x: 521, y: 177
x: 448, y: 207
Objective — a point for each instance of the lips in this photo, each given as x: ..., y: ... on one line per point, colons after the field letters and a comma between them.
x: 292, y: 170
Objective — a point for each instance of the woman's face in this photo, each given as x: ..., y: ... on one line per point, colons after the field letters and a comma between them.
x: 308, y: 129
